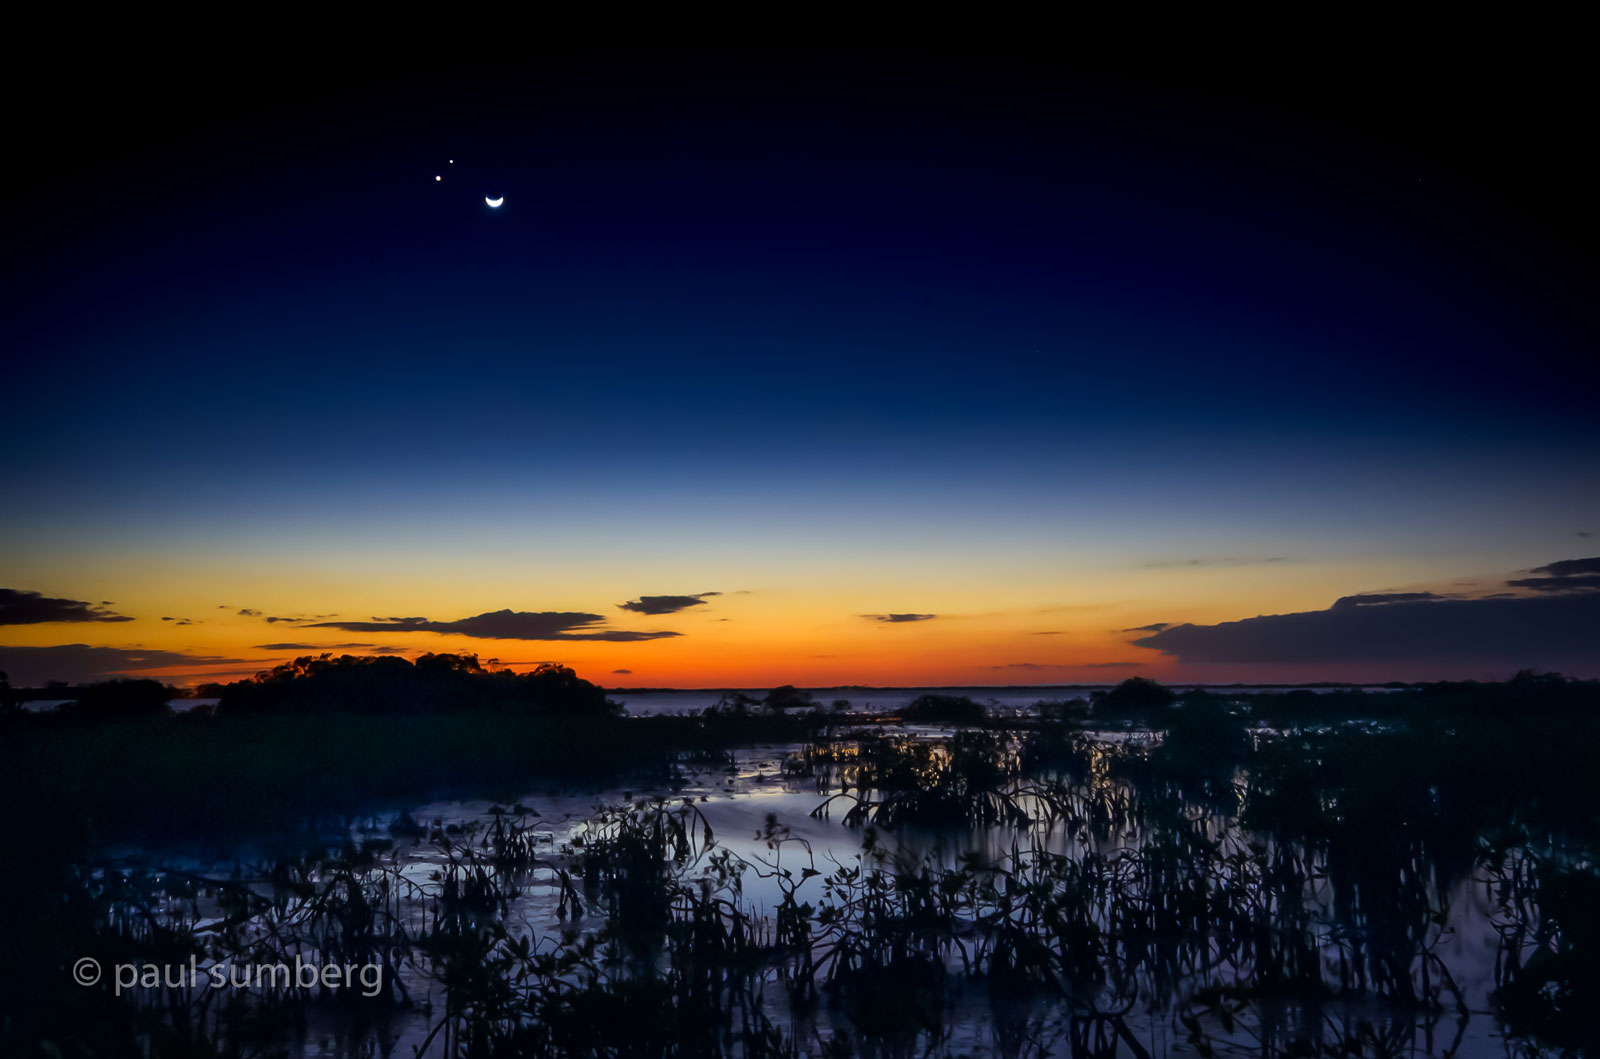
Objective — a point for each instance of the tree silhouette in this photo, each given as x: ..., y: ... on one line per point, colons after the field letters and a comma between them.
x: 435, y: 683
x: 120, y: 700
x: 1136, y: 696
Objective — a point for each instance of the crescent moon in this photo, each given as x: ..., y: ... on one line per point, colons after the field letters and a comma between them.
x: 494, y: 202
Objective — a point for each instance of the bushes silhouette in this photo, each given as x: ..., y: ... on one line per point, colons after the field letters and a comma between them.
x: 435, y: 683
x: 118, y: 699
x: 1134, y: 697
x: 943, y: 709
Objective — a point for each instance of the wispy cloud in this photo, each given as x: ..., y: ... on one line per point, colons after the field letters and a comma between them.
x: 1508, y: 632
x: 505, y: 625
x: 665, y: 604
x: 1218, y: 560
x: 1065, y: 665
x: 31, y: 608
x: 78, y: 663
x: 1372, y: 599
x: 1567, y: 575
x: 312, y: 646
x: 897, y: 619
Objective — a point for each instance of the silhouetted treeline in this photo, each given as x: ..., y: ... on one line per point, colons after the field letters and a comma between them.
x: 123, y: 697
x: 435, y: 683
x: 1528, y: 694
x: 943, y: 709
x: 1134, y: 697
x: 108, y: 700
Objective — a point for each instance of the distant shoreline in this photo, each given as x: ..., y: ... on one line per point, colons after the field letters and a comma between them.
x: 1024, y: 687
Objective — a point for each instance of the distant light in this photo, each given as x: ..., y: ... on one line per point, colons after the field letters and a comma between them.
x: 438, y: 178
x: 494, y: 202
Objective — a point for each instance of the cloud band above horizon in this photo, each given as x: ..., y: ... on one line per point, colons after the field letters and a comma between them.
x: 506, y: 625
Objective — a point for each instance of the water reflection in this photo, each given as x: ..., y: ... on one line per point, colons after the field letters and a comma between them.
x: 1052, y: 891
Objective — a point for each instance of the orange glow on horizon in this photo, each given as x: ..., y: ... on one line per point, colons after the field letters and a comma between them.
x: 1072, y: 627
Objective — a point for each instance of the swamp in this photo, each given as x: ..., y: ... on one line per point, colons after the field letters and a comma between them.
x: 1141, y: 873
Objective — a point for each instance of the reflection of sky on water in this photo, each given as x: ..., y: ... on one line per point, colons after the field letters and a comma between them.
x: 753, y: 799
x: 862, y: 700
x: 883, y: 700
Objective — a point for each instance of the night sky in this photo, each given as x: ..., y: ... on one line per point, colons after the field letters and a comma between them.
x: 816, y: 368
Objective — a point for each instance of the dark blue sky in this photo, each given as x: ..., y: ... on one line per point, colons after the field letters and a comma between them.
x: 903, y: 250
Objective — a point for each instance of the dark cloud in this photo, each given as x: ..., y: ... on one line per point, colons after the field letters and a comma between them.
x: 1024, y: 665
x: 1567, y: 575
x: 1586, y: 533
x: 1114, y: 665
x: 274, y: 620
x: 1509, y: 633
x: 1155, y: 626
x: 1569, y: 567
x: 78, y: 663
x: 248, y: 613
x: 623, y: 672
x: 30, y: 608
x: 1578, y: 582
x: 1047, y: 632
x: 312, y: 646
x: 505, y: 625
x: 1368, y: 599
x: 665, y: 604
x: 1224, y: 560
x: 896, y: 619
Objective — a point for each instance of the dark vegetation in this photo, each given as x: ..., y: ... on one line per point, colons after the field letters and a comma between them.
x: 1246, y: 884
x: 943, y: 709
x: 435, y: 683
x: 1134, y: 697
x: 120, y: 700
x: 106, y: 700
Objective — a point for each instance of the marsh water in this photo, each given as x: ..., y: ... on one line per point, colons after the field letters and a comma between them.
x: 905, y: 891
x: 867, y: 700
